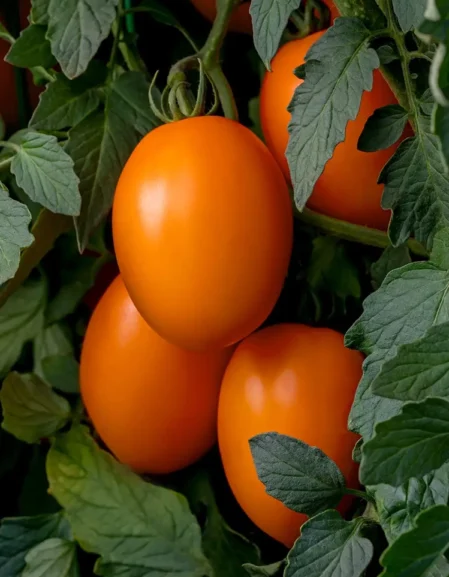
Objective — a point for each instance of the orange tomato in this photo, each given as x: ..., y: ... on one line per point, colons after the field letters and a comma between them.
x: 153, y: 404
x: 348, y: 188
x: 297, y: 381
x: 202, y: 227
x: 241, y: 18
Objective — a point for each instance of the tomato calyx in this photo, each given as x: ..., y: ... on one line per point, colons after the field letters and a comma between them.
x: 178, y: 101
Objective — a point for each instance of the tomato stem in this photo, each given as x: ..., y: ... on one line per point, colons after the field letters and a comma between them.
x: 354, y: 232
x: 360, y: 494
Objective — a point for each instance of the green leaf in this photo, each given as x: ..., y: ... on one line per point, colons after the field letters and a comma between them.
x: 76, y: 30
x: 31, y: 49
x: 329, y: 266
x: 302, y: 477
x: 62, y: 373
x: 440, y: 249
x: 39, y: 11
x: 65, y: 103
x: 411, y: 444
x: 137, y: 528
x: 383, y: 128
x: 15, y: 219
x: 415, y: 552
x: 393, y: 257
x: 409, y: 14
x: 329, y: 546
x: 225, y: 548
x: 21, y: 534
x: 410, y: 301
x: 31, y: 410
x: 270, y: 19
x: 52, y: 340
x: 416, y: 187
x: 273, y: 570
x: 45, y: 172
x: 441, y: 128
x: 339, y: 67
x: 397, y: 507
x: 102, y: 143
x: 21, y: 319
x: 52, y: 558
x: 419, y: 370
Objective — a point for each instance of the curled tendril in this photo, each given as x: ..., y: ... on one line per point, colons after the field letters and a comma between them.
x: 177, y: 101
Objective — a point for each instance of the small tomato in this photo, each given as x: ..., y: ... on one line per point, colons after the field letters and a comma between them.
x: 294, y: 380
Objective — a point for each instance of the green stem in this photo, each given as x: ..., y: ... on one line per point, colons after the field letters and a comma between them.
x: 354, y: 232
x: 10, y: 145
x: 6, y: 163
x: 117, y: 30
x: 399, y: 38
x: 129, y: 17
x: 360, y: 494
x: 210, y: 56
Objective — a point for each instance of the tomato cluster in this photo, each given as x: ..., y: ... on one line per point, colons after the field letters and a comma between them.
x: 202, y: 227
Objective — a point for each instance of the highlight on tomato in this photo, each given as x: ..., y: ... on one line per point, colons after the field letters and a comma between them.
x: 348, y: 188
x: 152, y: 403
x: 294, y: 380
x: 202, y: 228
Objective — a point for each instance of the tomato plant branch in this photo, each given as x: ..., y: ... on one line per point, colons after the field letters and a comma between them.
x: 399, y: 38
x: 210, y: 57
x: 354, y: 232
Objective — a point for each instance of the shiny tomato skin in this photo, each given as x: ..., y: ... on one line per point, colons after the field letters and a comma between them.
x: 152, y: 403
x: 348, y: 188
x: 202, y: 227
x: 294, y: 380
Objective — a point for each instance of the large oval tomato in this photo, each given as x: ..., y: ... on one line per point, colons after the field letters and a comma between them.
x: 297, y: 381
x: 241, y: 19
x: 348, y: 188
x: 202, y: 226
x: 153, y: 404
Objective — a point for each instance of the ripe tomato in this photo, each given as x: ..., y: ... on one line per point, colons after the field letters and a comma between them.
x: 348, y: 188
x: 202, y: 226
x: 153, y: 404
x: 241, y: 19
x: 297, y: 381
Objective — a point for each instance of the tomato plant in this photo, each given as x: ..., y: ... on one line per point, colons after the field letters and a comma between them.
x: 295, y: 380
x: 257, y: 196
